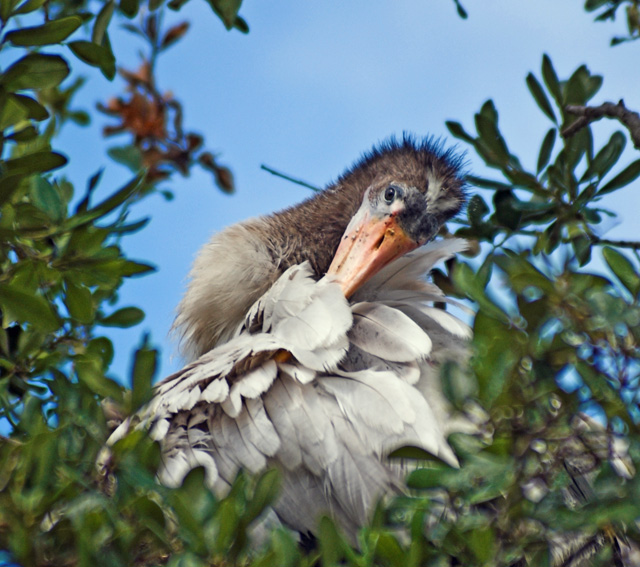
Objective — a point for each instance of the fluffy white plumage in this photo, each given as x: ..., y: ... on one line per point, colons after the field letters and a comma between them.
x: 361, y: 381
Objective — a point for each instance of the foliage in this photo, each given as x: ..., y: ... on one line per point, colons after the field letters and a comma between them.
x: 552, y: 339
x: 609, y: 10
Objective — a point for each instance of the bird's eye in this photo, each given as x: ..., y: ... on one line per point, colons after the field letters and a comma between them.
x: 390, y: 194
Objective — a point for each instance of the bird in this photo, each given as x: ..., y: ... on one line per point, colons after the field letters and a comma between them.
x: 313, y: 340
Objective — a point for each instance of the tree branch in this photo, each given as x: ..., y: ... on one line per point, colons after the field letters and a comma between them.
x: 618, y: 243
x: 588, y: 114
x: 289, y: 178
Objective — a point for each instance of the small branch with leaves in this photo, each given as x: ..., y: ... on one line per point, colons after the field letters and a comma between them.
x: 154, y: 119
x: 588, y: 114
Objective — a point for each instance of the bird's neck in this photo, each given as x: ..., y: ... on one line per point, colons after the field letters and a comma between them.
x: 239, y: 264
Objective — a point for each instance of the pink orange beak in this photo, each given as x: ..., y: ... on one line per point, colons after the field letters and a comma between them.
x: 367, y: 246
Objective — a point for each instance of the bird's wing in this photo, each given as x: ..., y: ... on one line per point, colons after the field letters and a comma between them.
x: 327, y: 423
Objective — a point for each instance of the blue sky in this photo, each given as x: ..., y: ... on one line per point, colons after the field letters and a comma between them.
x: 312, y: 86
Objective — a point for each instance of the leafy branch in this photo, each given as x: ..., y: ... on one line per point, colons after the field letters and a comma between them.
x: 588, y: 114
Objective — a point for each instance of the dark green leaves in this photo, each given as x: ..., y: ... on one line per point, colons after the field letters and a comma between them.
x: 607, y: 157
x: 591, y: 5
x: 145, y: 365
x: 35, y: 71
x: 460, y: 9
x: 129, y: 7
x: 555, y: 205
x: 91, y: 373
x: 623, y: 269
x: 551, y: 80
x: 227, y: 10
x: 102, y: 21
x: 25, y: 307
x: 28, y: 6
x: 48, y: 199
x: 124, y: 317
x: 581, y: 86
x: 38, y: 162
x: 79, y: 302
x: 458, y: 131
x: 95, y: 55
x: 106, y: 206
x: 626, y: 176
x: 546, y: 149
x: 540, y: 97
x: 49, y: 33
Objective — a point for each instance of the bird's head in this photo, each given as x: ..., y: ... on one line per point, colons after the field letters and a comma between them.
x: 392, y: 200
x: 415, y: 189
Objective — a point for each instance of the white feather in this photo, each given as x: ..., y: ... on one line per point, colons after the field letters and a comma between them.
x: 388, y: 333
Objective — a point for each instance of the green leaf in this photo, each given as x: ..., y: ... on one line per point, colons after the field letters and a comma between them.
x: 426, y: 478
x: 228, y: 518
x: 482, y: 542
x: 227, y: 11
x: 487, y: 125
x: 241, y: 25
x: 623, y: 269
x: 101, y: 347
x: 8, y: 185
x: 540, y: 97
x: 95, y: 55
x: 465, y: 279
x: 607, y: 157
x: 176, y: 4
x: 457, y: 131
x: 12, y: 112
x: 581, y: 245
x: 129, y: 228
x: 581, y: 86
x: 89, y: 371
x: 390, y: 551
x: 488, y: 183
x: 331, y: 542
x: 414, y: 453
x: 460, y: 9
x: 506, y: 207
x: 477, y: 209
x: 28, y: 7
x: 127, y: 155
x: 102, y: 21
x: 106, y: 206
x: 35, y: 110
x: 264, y: 494
x: 45, y: 196
x: 592, y: 5
x: 546, y: 149
x: 49, y: 33
x: 129, y: 7
x: 145, y: 364
x: 35, y: 71
x: 124, y: 318
x: 79, y: 302
x: 26, y: 134
x: 6, y: 9
x: 23, y: 307
x: 551, y: 80
x: 626, y: 176
x: 38, y: 162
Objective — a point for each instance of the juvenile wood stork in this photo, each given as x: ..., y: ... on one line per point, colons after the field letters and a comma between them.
x: 313, y: 341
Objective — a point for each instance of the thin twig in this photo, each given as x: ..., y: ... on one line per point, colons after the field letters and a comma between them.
x: 289, y: 178
x: 618, y: 243
x: 588, y: 114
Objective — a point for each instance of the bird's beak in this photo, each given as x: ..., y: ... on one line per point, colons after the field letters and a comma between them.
x: 368, y: 245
